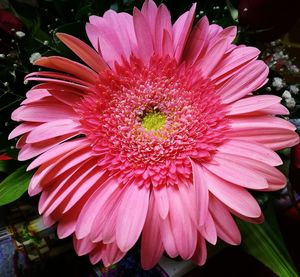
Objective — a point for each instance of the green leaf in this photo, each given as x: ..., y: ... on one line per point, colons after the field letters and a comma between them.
x: 13, y: 187
x: 3, y: 166
x: 265, y: 243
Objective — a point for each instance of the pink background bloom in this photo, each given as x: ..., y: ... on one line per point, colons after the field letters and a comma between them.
x: 4, y: 157
x: 9, y: 24
x: 157, y: 136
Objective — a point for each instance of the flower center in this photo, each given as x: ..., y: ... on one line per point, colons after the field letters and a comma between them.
x: 145, y: 122
x: 153, y: 121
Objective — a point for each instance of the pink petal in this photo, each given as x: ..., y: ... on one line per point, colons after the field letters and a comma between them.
x: 167, y: 44
x: 67, y: 222
x: 161, y: 201
x: 131, y: 216
x: 35, y: 94
x: 122, y: 24
x: 108, y: 41
x: 212, y: 57
x: 233, y: 62
x: 163, y: 26
x: 143, y: 36
x: 149, y: 10
x: 200, y: 254
x: 151, y: 246
x: 126, y: 21
x: 71, y: 83
x: 243, y: 124
x: 49, y: 193
x: 48, y: 221
x: 221, y: 34
x: 229, y: 33
x: 274, y: 138
x: 112, y: 254
x: 196, y: 41
x: 168, y: 237
x: 83, y: 246
x: 65, y: 95
x: 97, y: 253
x: 232, y: 196
x: 257, y: 220
x: 58, y: 76
x: 22, y: 129
x: 104, y: 226
x: 109, y: 228
x: 182, y: 226
x: 93, y: 35
x: 201, y: 192
x: 68, y: 66
x: 189, y: 200
x: 234, y: 172
x: 21, y: 141
x: 181, y: 31
x: 53, y: 129
x: 252, y: 104
x: 60, y: 92
x: 37, y: 91
x: 93, y: 207
x: 61, y: 189
x: 251, y: 150
x: 57, y: 151
x: 82, y: 50
x: 208, y: 230
x: 276, y: 109
x: 68, y: 161
x: 214, y: 30
x: 31, y: 150
x: 39, y: 111
x: 226, y: 227
x: 276, y: 180
x: 76, y: 193
x: 45, y: 174
x: 91, y: 181
x: 249, y: 79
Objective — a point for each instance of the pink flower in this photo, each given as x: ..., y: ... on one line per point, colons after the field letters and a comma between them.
x: 158, y: 136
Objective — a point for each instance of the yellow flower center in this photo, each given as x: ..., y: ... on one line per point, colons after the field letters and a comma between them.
x: 153, y: 121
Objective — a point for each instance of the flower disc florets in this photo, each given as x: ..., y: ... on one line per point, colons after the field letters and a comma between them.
x: 146, y: 121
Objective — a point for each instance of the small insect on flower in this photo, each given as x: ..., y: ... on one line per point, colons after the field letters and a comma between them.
x: 158, y: 136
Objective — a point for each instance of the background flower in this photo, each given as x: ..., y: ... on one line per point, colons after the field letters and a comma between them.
x: 9, y: 24
x: 270, y: 18
x: 4, y: 157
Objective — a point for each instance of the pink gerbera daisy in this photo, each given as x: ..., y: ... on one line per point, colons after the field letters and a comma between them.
x: 159, y: 136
